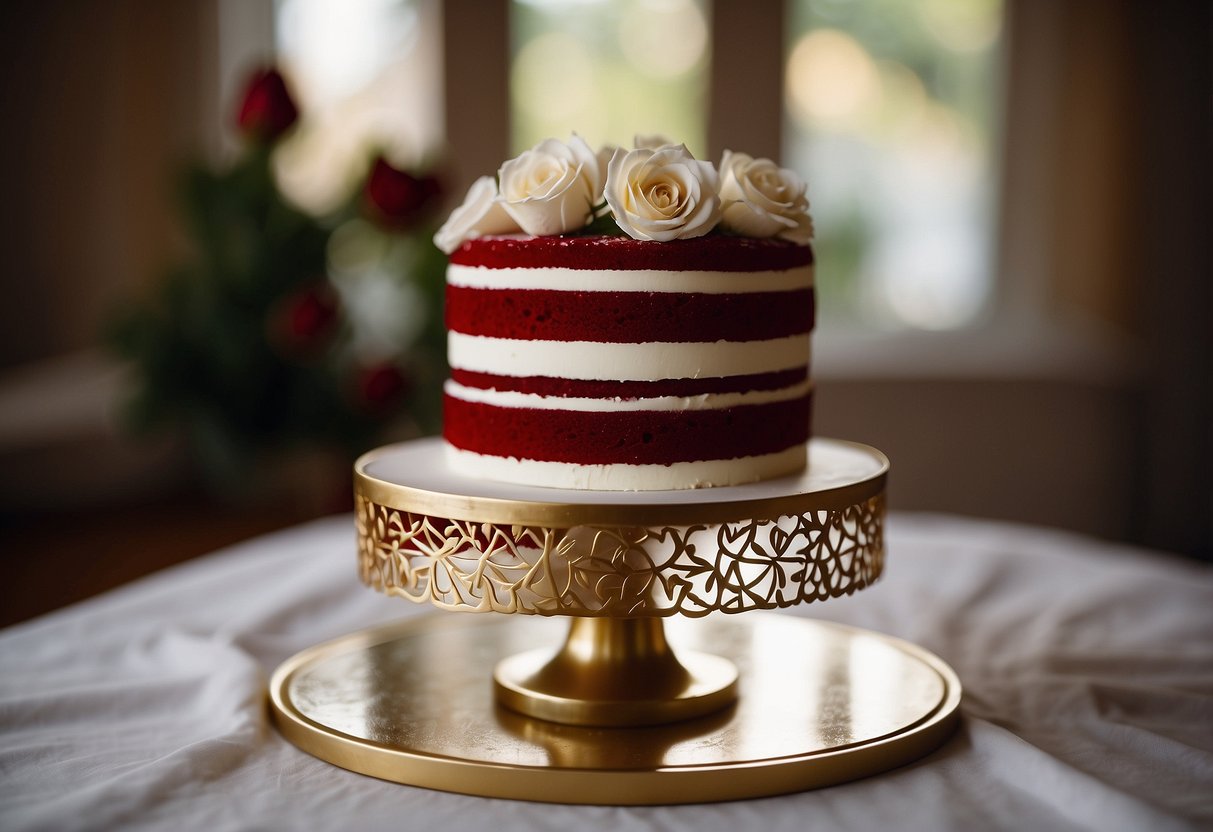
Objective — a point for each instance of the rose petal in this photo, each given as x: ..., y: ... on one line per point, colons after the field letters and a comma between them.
x: 651, y: 141
x: 479, y: 215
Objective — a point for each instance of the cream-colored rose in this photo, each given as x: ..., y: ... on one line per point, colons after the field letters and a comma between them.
x: 479, y: 215
x: 763, y: 200
x: 553, y: 187
x: 664, y: 194
x: 605, y: 154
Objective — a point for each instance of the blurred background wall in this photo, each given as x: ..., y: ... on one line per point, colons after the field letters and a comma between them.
x: 103, y: 101
x: 1041, y: 353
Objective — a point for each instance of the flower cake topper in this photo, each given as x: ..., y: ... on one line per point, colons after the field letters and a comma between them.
x: 655, y: 191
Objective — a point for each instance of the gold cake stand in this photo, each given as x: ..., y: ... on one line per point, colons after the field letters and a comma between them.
x: 652, y: 695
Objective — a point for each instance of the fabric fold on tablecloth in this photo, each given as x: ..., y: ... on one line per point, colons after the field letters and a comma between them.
x: 1087, y: 667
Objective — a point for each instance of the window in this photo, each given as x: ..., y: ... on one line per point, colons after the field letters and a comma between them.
x: 367, y: 73
x: 891, y: 116
x: 578, y: 65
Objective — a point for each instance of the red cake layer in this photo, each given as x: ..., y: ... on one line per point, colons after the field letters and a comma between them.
x: 633, y: 437
x: 716, y: 253
x: 628, y: 317
x: 578, y: 388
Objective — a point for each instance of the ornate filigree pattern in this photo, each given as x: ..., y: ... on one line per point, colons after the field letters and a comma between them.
x: 689, y: 570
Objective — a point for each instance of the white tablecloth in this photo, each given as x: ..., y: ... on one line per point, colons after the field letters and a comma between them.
x: 1088, y: 675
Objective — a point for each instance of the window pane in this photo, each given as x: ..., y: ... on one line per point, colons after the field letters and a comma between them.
x: 891, y: 111
x: 367, y: 74
x: 608, y: 70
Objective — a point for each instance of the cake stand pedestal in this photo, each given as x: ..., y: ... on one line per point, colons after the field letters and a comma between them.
x: 652, y: 698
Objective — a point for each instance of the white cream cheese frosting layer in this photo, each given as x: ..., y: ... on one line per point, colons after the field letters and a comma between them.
x: 624, y: 477
x: 629, y: 280
x: 706, y: 401
x: 593, y: 361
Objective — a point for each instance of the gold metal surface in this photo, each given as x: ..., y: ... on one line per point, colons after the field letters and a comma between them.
x: 819, y: 704
x: 615, y: 671
x: 413, y: 477
x: 808, y: 538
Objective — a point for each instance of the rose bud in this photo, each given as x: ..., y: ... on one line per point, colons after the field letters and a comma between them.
x: 397, y: 199
x: 302, y: 325
x: 267, y: 110
x: 381, y: 387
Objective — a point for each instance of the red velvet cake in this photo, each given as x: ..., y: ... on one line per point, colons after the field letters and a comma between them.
x: 620, y: 364
x: 673, y: 354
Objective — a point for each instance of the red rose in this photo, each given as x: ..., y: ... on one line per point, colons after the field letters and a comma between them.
x: 267, y: 110
x: 304, y: 323
x: 395, y: 197
x: 381, y: 387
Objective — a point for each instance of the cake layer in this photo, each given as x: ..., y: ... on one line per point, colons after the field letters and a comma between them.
x: 713, y: 253
x: 636, y: 437
x: 624, y: 362
x: 607, y: 362
x: 625, y: 477
x: 628, y: 317
x: 623, y: 390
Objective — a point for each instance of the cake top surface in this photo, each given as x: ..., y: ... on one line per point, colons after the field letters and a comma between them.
x: 655, y: 192
x: 718, y: 253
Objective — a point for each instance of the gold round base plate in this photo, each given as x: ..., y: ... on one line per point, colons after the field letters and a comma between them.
x: 818, y: 704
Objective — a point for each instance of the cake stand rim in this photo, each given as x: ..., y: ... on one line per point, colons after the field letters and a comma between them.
x: 627, y: 508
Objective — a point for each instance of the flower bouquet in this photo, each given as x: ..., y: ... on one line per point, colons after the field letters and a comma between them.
x: 655, y: 191
x: 251, y: 349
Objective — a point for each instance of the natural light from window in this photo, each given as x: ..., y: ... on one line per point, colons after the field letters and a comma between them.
x: 608, y: 70
x: 891, y: 115
x: 367, y: 75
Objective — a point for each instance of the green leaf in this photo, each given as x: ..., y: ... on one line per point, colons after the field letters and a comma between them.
x: 604, y: 225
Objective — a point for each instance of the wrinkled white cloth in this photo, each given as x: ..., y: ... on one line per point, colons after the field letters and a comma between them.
x: 1087, y: 669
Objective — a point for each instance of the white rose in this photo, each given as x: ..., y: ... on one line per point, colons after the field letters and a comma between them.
x: 553, y: 187
x: 479, y: 215
x: 604, y: 156
x: 664, y: 194
x: 763, y: 200
x: 605, y: 153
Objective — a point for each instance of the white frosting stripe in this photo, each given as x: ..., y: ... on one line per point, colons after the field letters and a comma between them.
x: 706, y: 401
x: 624, y: 362
x: 624, y: 477
x: 630, y: 280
